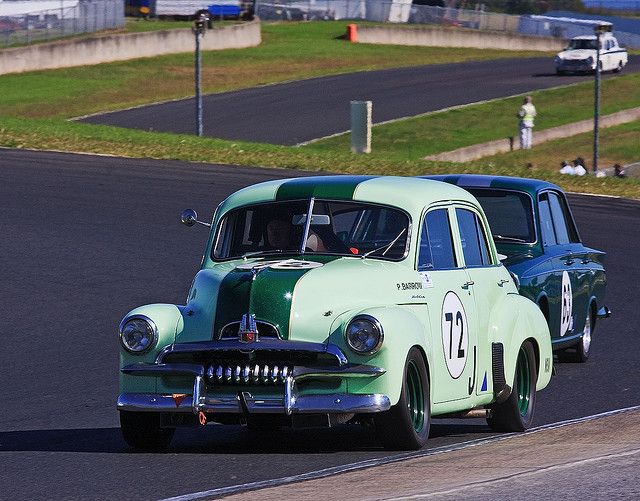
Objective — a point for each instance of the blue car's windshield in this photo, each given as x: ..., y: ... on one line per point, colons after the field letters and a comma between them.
x: 336, y: 227
x: 509, y: 213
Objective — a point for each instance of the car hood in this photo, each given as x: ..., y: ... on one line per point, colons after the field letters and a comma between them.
x: 302, y: 297
x: 577, y: 54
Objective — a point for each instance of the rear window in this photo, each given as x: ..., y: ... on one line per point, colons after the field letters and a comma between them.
x: 510, y: 214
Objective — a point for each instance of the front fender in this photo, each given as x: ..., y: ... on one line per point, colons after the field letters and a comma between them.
x: 514, y: 321
x: 168, y: 320
x: 403, y: 327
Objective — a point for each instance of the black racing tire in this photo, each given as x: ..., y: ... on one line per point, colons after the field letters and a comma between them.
x: 516, y: 413
x: 406, y: 425
x: 583, y: 348
x: 580, y: 352
x: 142, y: 431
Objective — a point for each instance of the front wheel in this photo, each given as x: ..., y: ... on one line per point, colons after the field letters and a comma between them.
x: 406, y: 424
x: 516, y: 413
x: 142, y: 430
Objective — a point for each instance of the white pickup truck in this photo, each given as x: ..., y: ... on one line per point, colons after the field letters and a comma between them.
x: 580, y: 56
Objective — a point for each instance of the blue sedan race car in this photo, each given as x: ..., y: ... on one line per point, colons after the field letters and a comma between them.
x: 534, y: 230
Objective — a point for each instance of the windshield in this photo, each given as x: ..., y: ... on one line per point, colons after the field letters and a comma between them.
x: 337, y: 228
x: 582, y: 44
x: 509, y: 213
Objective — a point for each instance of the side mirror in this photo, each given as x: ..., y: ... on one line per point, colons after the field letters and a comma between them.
x: 189, y: 217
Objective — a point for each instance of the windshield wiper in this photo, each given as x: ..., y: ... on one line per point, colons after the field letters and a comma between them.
x: 263, y: 252
x: 386, y: 247
x: 510, y: 239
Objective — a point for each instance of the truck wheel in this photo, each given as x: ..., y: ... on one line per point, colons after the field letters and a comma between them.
x: 516, y: 413
x: 406, y: 424
x: 141, y: 430
x: 620, y: 67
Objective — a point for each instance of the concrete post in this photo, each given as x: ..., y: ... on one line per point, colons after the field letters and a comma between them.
x: 361, y: 126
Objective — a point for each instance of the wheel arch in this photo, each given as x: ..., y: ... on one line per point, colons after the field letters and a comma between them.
x: 404, y: 328
x: 519, y: 320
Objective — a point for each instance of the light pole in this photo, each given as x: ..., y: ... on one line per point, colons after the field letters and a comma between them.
x: 199, y: 29
x: 599, y: 29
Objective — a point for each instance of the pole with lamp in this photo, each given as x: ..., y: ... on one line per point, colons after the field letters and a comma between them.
x: 599, y: 30
x: 199, y: 29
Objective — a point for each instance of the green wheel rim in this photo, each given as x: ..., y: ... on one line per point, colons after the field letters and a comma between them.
x: 523, y: 382
x: 415, y: 396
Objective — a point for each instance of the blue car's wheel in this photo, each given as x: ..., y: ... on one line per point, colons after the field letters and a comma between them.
x: 516, y: 413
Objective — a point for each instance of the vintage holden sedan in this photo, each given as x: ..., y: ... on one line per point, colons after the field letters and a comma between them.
x: 338, y: 299
x: 534, y: 230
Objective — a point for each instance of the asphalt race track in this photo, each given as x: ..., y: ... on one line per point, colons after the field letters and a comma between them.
x: 300, y: 111
x: 87, y: 238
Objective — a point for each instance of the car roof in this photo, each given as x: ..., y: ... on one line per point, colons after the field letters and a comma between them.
x: 409, y: 193
x: 531, y: 186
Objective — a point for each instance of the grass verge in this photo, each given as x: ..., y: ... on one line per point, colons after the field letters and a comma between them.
x: 289, y: 51
x: 34, y: 107
x: 445, y: 131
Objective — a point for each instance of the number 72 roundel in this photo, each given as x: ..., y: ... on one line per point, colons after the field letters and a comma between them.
x: 455, y: 338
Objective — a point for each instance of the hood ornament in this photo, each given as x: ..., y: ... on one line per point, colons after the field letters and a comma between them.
x: 248, y: 332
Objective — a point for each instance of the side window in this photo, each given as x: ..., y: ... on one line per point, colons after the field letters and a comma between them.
x: 559, y: 220
x: 472, y: 238
x: 546, y: 224
x: 436, y: 244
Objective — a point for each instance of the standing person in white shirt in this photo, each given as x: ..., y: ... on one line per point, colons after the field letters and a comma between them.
x: 526, y: 115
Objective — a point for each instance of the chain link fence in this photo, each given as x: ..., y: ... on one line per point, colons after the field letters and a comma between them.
x: 19, y: 25
x: 402, y: 11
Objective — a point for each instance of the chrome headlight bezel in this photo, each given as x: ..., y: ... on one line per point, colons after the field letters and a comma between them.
x: 376, y: 327
x: 153, y: 328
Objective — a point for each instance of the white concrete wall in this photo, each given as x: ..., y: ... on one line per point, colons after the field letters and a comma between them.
x: 436, y: 36
x: 104, y: 49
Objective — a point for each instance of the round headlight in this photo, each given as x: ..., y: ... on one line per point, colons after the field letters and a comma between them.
x: 138, y: 334
x: 364, y: 335
x: 590, y: 60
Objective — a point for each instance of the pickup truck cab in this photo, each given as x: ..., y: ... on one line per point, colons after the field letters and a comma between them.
x: 580, y: 56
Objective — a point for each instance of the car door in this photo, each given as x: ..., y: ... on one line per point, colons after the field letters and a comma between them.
x: 566, y: 293
x: 490, y: 282
x: 452, y: 310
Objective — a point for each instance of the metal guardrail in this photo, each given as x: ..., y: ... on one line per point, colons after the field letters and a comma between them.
x: 70, y: 18
x: 402, y: 11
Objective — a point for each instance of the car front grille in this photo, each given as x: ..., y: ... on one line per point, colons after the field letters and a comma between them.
x: 253, y: 374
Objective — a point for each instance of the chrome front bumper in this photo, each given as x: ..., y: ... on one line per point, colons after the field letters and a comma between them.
x: 244, y: 402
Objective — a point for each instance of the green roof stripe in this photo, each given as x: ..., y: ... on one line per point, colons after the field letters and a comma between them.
x: 331, y: 187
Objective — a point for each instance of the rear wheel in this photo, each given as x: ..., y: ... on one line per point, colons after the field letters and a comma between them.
x: 142, y: 430
x: 406, y: 424
x: 620, y: 67
x: 583, y: 348
x: 516, y: 413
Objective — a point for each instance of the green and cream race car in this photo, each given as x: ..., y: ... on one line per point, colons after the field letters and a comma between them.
x: 332, y: 300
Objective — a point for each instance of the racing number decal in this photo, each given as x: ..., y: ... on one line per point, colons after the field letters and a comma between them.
x: 567, y: 304
x: 455, y: 336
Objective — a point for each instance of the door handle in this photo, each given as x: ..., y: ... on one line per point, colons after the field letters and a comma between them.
x: 467, y: 284
x: 502, y: 282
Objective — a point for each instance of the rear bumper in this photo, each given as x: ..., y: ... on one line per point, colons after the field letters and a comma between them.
x: 604, y: 312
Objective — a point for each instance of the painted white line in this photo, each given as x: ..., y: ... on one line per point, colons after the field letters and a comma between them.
x: 525, y: 474
x: 326, y: 472
x: 435, y: 112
